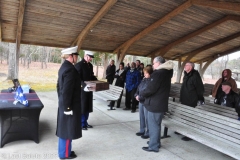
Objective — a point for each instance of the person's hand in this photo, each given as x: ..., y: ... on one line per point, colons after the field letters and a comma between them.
x: 68, y: 112
x: 137, y: 98
x: 86, y: 88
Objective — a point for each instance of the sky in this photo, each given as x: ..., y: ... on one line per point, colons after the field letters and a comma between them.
x: 234, y: 55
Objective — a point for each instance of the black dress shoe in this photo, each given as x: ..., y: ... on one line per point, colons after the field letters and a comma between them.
x: 72, y: 156
x: 84, y: 128
x: 186, y: 139
x: 140, y: 133
x: 89, y: 126
x: 144, y: 137
x: 109, y: 105
x: 126, y: 108
x: 133, y: 111
x: 148, y: 150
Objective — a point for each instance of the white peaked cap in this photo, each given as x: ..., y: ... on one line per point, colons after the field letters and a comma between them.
x: 70, y: 50
x: 89, y: 53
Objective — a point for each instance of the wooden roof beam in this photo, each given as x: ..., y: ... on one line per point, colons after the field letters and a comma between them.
x: 0, y: 31
x: 93, y: 22
x: 163, y: 50
x: 211, y: 45
x: 20, y: 21
x: 230, y: 6
x: 218, y: 55
x: 124, y: 47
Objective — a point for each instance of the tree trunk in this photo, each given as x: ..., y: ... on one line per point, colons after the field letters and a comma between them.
x: 105, y: 64
x: 12, y: 67
x: 97, y: 70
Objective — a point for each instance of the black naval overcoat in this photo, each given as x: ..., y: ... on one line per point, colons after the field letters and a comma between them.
x: 69, y: 91
x: 85, y: 71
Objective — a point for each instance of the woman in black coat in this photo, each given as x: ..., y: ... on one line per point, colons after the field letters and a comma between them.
x: 120, y: 76
x: 69, y: 91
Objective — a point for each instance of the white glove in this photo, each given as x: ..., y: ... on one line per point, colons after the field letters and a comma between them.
x: 68, y: 112
x: 86, y: 88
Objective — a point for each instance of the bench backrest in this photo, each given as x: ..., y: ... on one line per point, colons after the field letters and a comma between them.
x: 214, y: 125
x: 218, y: 109
x: 175, y: 89
x: 113, y: 93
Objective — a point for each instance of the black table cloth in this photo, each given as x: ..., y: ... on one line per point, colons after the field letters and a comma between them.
x: 18, y: 122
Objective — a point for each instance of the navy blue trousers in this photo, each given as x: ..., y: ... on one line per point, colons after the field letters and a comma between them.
x: 84, y: 119
x: 64, y: 147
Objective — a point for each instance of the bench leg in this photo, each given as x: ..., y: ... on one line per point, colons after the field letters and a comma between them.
x: 165, y: 133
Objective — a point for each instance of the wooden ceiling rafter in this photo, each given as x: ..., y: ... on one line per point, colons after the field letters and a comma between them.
x: 190, y: 55
x: 0, y: 28
x: 124, y: 47
x: 230, y: 6
x: 230, y: 51
x: 79, y: 40
x: 163, y: 50
x: 20, y: 21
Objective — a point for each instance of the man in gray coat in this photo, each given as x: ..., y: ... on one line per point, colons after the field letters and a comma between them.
x: 69, y: 91
x: 156, y: 96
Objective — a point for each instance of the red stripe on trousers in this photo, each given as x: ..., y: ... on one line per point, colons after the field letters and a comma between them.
x: 67, y: 146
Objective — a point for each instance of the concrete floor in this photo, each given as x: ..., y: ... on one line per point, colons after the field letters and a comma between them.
x: 112, y: 138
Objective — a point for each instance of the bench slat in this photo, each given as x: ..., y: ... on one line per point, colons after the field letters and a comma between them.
x: 113, y: 94
x: 208, y: 126
x: 224, y: 120
x: 218, y: 112
x: 204, y: 139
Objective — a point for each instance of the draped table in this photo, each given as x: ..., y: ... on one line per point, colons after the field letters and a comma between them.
x: 18, y: 122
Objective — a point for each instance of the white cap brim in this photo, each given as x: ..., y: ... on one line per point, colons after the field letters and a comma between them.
x: 69, y: 50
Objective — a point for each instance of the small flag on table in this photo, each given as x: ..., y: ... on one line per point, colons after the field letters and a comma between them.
x: 20, y: 97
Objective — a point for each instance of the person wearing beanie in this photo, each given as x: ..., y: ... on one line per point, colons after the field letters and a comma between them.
x: 228, y: 98
x: 226, y: 77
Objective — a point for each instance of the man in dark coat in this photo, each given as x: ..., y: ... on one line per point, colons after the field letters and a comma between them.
x: 85, y: 70
x: 192, y: 89
x: 110, y: 72
x: 69, y: 91
x: 156, y: 94
x: 139, y: 67
x: 229, y: 98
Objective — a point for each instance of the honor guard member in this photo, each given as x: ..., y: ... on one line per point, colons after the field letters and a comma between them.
x: 69, y: 104
x: 85, y: 70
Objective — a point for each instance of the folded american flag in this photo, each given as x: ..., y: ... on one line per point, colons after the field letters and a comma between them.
x: 20, y: 97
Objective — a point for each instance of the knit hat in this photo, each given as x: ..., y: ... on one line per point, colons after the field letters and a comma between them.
x: 227, y: 83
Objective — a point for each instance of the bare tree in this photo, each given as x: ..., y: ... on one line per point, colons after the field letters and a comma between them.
x: 12, y: 67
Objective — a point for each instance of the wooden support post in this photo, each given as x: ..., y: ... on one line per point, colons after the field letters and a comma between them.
x: 19, y: 34
x: 179, y: 72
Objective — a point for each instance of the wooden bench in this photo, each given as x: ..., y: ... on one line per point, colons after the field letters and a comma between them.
x: 220, y: 110
x: 216, y: 131
x: 113, y: 94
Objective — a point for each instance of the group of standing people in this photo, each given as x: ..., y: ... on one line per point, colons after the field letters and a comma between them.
x: 149, y: 86
x: 75, y: 100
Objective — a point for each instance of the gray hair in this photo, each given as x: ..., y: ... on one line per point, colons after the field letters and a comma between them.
x: 192, y: 64
x: 159, y: 59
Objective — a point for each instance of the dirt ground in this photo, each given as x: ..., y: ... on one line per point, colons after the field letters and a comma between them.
x: 45, y: 79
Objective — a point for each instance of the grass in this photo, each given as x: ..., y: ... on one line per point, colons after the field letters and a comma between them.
x: 37, y: 78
